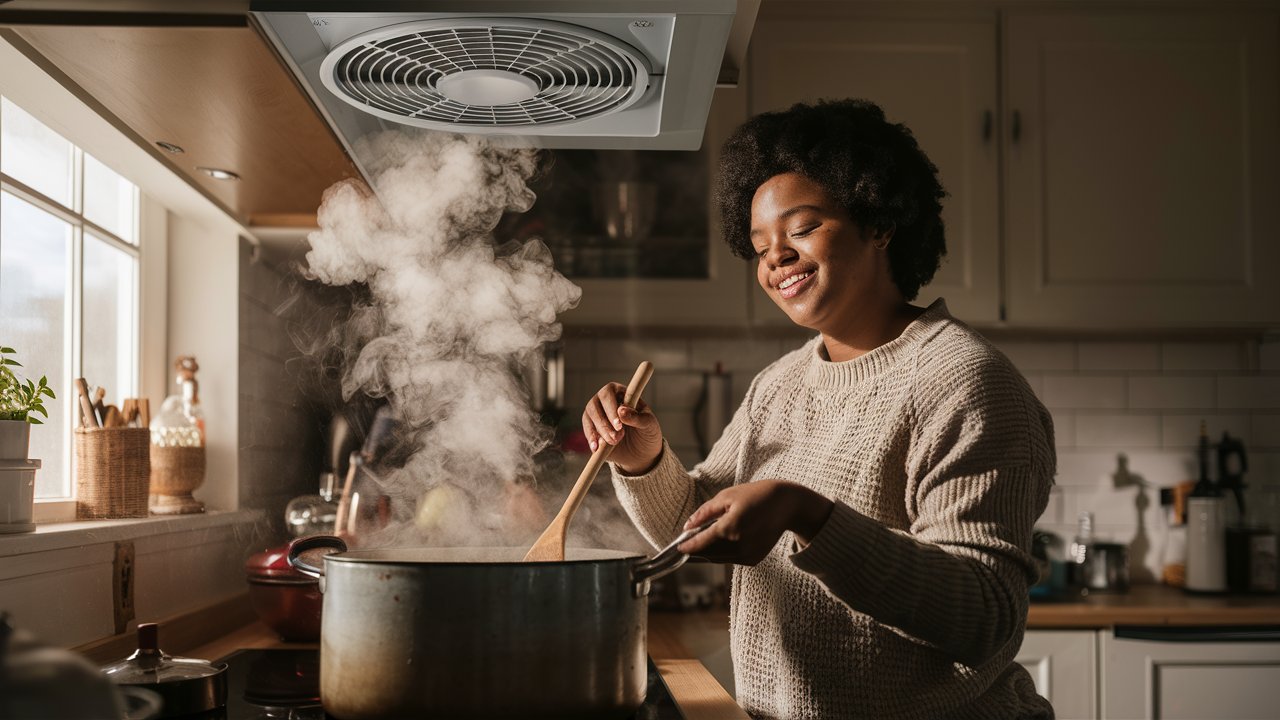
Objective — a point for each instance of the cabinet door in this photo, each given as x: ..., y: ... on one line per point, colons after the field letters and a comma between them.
x: 1063, y: 664
x: 720, y: 299
x: 939, y: 79
x: 1189, y: 680
x: 1141, y: 174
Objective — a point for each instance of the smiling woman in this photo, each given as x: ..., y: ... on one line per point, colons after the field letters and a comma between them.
x: 877, y: 487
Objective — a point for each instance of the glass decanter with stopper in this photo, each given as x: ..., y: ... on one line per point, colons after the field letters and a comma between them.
x: 178, y: 446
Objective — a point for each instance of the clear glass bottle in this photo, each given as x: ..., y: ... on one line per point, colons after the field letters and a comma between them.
x: 187, y: 366
x: 314, y: 514
x: 1080, y: 553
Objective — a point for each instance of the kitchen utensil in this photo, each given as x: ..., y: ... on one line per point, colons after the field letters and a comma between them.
x: 479, y: 633
x: 550, y: 545
x: 186, y: 685
x: 714, y: 408
x: 88, y: 417
x: 317, y: 514
x: 1232, y: 464
x: 374, y: 507
x: 284, y: 599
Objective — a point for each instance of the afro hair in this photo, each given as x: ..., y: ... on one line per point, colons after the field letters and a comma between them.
x: 872, y: 168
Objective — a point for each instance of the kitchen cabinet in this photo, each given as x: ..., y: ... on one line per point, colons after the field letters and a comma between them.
x: 939, y: 78
x: 1175, y: 680
x: 715, y: 295
x: 1063, y: 664
x: 1141, y: 168
x: 1111, y: 169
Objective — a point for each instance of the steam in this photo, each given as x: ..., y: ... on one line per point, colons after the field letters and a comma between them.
x: 450, y: 317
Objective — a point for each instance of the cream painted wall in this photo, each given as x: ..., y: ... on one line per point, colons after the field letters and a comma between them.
x: 204, y: 299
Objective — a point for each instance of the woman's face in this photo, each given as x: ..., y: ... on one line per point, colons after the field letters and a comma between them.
x: 813, y: 260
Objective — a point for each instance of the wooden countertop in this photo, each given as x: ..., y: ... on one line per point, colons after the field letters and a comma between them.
x: 1155, y: 605
x: 697, y: 693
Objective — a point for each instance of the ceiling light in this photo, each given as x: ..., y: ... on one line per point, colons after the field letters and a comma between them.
x: 218, y: 174
x: 170, y: 147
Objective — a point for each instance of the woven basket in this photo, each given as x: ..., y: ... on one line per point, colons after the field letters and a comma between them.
x: 175, y: 472
x: 113, y: 472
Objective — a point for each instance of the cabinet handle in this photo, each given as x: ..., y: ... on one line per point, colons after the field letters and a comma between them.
x: 986, y: 126
x: 1015, y: 127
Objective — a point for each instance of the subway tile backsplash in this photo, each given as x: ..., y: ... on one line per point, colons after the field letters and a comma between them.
x: 1126, y: 414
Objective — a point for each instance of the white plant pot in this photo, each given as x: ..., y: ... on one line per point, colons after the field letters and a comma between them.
x: 17, y: 495
x: 15, y: 439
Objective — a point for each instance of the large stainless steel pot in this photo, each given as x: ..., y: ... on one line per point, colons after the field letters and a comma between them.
x: 477, y: 633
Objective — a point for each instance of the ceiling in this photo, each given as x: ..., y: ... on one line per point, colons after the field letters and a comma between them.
x: 203, y: 80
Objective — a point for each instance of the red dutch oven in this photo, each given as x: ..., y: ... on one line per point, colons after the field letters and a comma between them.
x: 284, y: 599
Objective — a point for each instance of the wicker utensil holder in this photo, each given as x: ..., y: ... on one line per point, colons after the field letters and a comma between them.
x: 113, y: 472
x: 175, y: 472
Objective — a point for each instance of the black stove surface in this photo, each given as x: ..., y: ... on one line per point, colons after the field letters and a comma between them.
x: 282, y: 684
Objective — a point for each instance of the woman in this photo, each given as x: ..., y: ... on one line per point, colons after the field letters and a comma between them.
x: 877, y: 487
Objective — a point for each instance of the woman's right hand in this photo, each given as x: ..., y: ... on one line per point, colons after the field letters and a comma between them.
x: 634, y: 432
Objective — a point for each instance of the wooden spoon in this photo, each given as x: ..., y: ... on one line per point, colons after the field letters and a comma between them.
x: 550, y: 545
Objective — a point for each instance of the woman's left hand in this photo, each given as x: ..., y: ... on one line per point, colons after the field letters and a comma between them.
x: 751, y: 517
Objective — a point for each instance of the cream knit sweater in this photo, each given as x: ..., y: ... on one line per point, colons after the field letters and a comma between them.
x: 912, y: 599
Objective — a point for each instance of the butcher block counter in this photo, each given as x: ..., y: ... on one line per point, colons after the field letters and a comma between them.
x: 1155, y: 605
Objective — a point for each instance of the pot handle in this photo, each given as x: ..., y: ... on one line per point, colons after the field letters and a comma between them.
x: 665, y: 562
x: 301, y: 545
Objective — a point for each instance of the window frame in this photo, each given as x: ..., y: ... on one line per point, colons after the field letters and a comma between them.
x: 62, y: 508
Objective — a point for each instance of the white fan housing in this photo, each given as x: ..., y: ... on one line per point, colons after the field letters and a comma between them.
x: 635, y: 74
x: 488, y: 74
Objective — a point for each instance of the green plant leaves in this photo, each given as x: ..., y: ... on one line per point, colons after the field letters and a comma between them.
x: 21, y: 399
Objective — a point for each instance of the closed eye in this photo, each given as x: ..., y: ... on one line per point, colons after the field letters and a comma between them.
x: 801, y: 232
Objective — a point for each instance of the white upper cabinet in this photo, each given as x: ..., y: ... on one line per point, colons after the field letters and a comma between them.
x: 936, y: 77
x: 1140, y: 184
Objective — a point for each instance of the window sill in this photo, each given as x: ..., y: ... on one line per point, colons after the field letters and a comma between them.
x: 57, y: 536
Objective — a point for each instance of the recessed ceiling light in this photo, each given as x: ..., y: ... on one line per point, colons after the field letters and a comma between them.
x: 170, y: 147
x: 218, y: 174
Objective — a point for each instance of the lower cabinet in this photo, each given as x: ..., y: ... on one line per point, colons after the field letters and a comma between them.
x: 1163, y: 673
x: 1190, y: 677
x: 1064, y: 665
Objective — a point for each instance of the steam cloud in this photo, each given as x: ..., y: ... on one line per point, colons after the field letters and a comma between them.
x: 452, y: 316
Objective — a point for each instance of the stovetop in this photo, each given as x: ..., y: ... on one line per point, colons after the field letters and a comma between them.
x: 281, y: 684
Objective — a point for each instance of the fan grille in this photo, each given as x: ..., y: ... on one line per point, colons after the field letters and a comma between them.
x: 578, y: 73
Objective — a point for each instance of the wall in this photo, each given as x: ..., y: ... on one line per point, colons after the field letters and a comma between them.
x: 1126, y: 414
x: 281, y: 430
x: 202, y: 322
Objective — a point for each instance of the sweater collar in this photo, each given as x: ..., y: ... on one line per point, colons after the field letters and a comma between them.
x: 821, y: 372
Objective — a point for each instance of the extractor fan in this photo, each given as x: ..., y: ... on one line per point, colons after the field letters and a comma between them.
x: 564, y: 74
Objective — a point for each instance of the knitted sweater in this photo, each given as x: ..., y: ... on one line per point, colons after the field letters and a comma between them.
x: 911, y: 600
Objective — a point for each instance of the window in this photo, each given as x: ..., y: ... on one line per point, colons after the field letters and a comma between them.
x: 69, y: 265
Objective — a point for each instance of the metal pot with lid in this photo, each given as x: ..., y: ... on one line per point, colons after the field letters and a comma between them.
x: 478, y: 633
x: 185, y: 685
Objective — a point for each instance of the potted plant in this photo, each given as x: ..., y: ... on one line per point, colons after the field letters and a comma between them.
x: 20, y: 402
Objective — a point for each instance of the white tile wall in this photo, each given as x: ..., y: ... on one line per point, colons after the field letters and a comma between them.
x: 1127, y: 415
x: 1119, y: 356
x: 1083, y: 391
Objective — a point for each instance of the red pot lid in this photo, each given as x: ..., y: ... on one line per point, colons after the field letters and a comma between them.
x: 273, y: 563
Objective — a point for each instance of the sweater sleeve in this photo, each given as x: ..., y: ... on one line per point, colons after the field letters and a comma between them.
x: 660, y: 501
x: 958, y: 578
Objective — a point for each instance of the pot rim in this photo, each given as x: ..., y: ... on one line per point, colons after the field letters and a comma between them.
x: 379, y: 556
